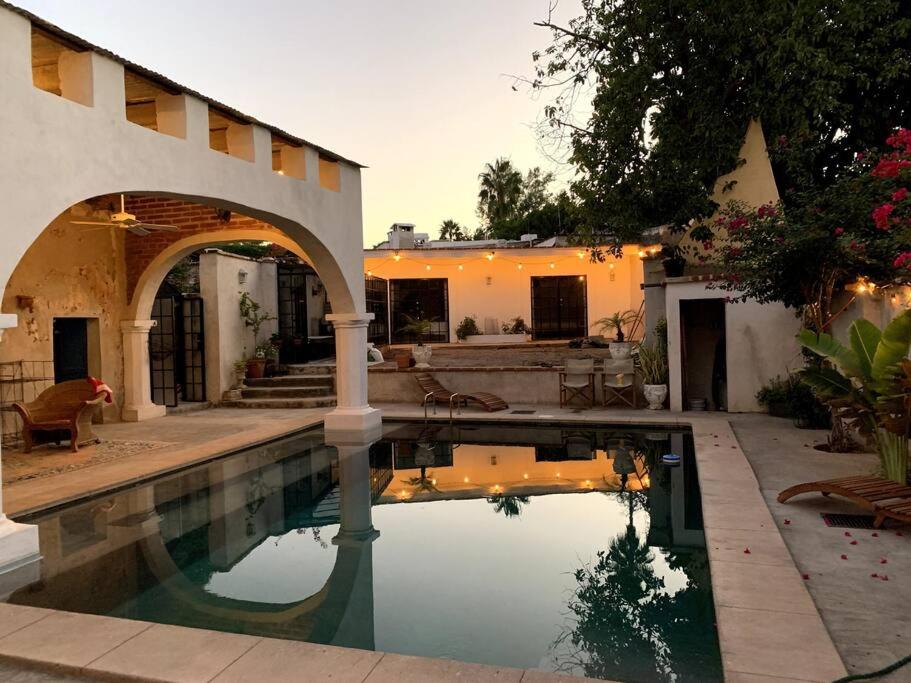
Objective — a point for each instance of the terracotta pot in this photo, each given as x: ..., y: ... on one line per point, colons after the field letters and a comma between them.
x: 256, y: 368
x: 403, y: 360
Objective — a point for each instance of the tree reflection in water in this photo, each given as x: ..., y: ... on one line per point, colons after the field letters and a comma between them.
x: 511, y: 506
x: 625, y: 625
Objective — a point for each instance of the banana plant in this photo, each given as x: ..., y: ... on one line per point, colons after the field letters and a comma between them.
x: 869, y: 384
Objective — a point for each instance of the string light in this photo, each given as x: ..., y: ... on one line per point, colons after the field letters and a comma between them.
x: 461, y: 267
x: 581, y: 278
x: 553, y: 265
x: 397, y: 256
x: 580, y: 254
x: 490, y: 256
x: 369, y: 273
x: 519, y: 266
x: 428, y: 266
x: 610, y: 265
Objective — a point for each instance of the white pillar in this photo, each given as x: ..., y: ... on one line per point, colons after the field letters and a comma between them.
x: 350, y: 595
x: 19, y: 555
x: 352, y: 412
x: 137, y: 382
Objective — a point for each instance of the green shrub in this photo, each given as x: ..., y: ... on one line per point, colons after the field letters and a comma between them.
x: 467, y: 328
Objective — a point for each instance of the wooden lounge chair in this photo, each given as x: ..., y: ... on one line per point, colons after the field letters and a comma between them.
x: 435, y: 391
x: 885, y: 498
x: 62, y: 411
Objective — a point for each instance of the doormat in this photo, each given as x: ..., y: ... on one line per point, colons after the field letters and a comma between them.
x: 521, y: 412
x: 848, y: 521
x: 48, y: 461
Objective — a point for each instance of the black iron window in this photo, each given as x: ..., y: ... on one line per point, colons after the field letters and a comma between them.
x: 559, y: 307
x: 377, y: 290
x: 425, y: 299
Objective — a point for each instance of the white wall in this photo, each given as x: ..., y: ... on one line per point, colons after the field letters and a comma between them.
x: 760, y: 342
x: 227, y: 338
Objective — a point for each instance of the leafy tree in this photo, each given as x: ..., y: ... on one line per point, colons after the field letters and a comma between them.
x: 557, y: 216
x: 451, y: 230
x: 675, y: 83
x: 535, y: 191
x: 253, y: 249
x: 804, y: 251
x: 501, y: 190
x: 511, y: 506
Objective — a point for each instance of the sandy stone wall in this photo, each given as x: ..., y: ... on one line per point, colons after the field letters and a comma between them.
x: 70, y: 271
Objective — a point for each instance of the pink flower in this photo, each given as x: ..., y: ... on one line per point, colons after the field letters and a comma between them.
x: 900, y: 194
x: 737, y: 223
x: 903, y: 260
x: 900, y: 139
x: 859, y: 155
x: 881, y: 215
x: 839, y: 231
x: 889, y: 168
x: 766, y: 211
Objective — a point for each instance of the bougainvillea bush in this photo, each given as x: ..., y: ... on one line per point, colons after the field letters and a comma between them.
x: 857, y: 229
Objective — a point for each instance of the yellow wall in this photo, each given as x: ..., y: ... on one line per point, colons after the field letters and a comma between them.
x: 71, y: 271
x: 754, y: 184
x: 611, y: 286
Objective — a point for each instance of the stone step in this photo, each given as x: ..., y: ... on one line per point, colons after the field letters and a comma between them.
x: 286, y: 403
x: 309, y: 369
x: 286, y: 392
x: 291, y: 381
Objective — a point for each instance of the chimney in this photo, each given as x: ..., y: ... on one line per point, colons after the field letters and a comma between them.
x: 401, y: 236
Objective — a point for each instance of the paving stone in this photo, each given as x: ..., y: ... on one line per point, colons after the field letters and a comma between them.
x: 282, y: 660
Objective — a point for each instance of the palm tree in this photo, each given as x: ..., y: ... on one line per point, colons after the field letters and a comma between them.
x: 501, y: 190
x: 511, y: 506
x: 451, y: 230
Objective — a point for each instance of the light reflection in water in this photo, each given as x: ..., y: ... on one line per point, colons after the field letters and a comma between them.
x: 531, y: 547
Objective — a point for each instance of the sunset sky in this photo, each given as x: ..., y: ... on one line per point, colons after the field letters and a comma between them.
x: 418, y: 90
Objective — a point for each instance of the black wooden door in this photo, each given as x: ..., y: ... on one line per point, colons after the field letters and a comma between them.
x: 194, y: 351
x: 163, y: 346
x: 559, y: 307
x: 71, y: 349
x: 423, y: 299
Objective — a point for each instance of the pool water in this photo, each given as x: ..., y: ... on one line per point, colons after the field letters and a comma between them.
x: 552, y: 548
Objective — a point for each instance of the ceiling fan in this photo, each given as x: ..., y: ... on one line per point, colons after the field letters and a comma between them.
x: 128, y: 222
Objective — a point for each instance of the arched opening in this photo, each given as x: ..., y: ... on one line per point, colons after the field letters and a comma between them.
x: 86, y: 292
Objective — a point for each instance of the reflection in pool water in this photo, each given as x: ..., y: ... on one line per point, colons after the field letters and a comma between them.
x: 537, y: 547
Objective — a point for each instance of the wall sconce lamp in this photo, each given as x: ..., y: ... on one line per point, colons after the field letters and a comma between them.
x: 241, y: 277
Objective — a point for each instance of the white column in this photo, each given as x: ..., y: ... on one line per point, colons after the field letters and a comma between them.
x: 137, y: 383
x: 350, y: 595
x: 352, y: 412
x: 19, y: 556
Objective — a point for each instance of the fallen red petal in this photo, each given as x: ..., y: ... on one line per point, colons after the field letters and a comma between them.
x: 874, y: 575
x: 875, y: 535
x: 787, y: 521
x: 883, y: 560
x: 844, y: 557
x: 806, y: 577
x: 746, y: 551
x: 883, y: 578
x: 853, y: 543
x: 848, y: 533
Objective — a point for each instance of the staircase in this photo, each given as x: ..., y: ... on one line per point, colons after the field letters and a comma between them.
x: 308, y: 386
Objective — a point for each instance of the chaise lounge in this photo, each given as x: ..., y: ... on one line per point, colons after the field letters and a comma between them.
x: 62, y: 411
x: 885, y: 498
x: 435, y: 391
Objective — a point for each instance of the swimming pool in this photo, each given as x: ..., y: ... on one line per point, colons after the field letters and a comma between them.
x: 559, y: 548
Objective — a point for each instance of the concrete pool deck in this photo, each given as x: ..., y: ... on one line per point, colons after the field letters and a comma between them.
x: 769, y: 627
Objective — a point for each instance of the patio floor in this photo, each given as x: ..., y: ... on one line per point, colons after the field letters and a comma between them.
x: 865, y: 616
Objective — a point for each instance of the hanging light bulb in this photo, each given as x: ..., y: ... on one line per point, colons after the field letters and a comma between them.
x: 519, y: 266
x: 397, y: 256
x: 489, y: 256
x: 369, y: 273
x: 610, y: 265
x: 553, y: 265
x: 427, y: 266
x: 580, y: 254
x: 461, y: 267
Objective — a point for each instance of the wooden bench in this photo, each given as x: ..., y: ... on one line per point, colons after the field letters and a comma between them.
x: 62, y: 411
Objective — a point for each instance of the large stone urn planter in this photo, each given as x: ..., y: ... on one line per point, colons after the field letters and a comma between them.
x: 421, y: 353
x: 619, y: 350
x: 655, y: 394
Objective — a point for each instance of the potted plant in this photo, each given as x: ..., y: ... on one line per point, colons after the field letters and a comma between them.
x: 619, y: 348
x: 250, y: 313
x: 869, y: 385
x: 240, y: 373
x: 419, y: 328
x: 467, y: 328
x: 653, y: 367
x: 515, y: 326
x: 775, y: 397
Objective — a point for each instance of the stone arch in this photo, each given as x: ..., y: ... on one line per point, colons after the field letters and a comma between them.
x: 140, y: 304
